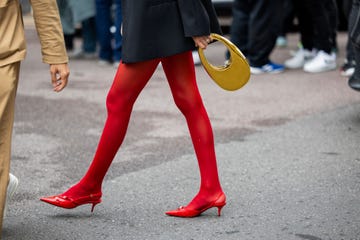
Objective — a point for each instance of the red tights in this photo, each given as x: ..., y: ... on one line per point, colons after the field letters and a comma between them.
x: 129, y: 81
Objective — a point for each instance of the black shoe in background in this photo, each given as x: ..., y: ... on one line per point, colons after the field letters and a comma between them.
x: 354, y: 83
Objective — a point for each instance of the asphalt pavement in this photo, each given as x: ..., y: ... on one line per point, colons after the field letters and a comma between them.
x: 287, y: 148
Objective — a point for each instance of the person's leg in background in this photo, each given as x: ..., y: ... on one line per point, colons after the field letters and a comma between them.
x: 286, y: 23
x: 348, y: 68
x: 67, y: 23
x: 306, y: 27
x: 264, y: 26
x: 104, y: 36
x: 323, y: 29
x: 89, y: 37
x: 69, y: 42
x: 306, y: 49
x: 354, y: 34
x: 332, y: 10
x: 239, y: 31
x: 325, y: 59
x: 117, y: 34
x: 8, y: 86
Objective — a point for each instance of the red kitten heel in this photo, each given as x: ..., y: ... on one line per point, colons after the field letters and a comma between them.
x: 64, y: 201
x: 185, y: 212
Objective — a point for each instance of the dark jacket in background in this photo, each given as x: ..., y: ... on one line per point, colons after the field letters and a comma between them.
x: 161, y: 28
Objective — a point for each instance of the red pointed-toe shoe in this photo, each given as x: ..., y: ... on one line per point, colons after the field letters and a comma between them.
x: 64, y: 201
x: 185, y: 212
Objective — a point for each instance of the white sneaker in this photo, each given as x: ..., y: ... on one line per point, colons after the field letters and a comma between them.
x: 116, y: 64
x: 11, y: 188
x: 300, y: 57
x: 104, y: 63
x: 321, y: 63
x: 75, y: 54
x: 196, y: 58
x: 348, y: 68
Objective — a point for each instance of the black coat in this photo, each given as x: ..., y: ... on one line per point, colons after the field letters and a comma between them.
x: 161, y: 28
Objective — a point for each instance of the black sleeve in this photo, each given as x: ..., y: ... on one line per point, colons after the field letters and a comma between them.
x: 194, y: 17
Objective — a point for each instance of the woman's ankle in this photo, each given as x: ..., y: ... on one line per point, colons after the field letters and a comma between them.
x: 81, y: 189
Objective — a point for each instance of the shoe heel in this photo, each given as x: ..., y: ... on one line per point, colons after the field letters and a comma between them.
x: 219, y: 209
x: 220, y: 203
x: 94, y: 204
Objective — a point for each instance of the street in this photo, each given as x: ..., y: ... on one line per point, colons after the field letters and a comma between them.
x: 287, y: 149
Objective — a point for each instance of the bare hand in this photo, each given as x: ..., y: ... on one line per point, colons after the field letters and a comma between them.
x: 202, y: 41
x: 59, y: 76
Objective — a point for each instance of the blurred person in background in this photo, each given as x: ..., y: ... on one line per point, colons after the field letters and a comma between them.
x: 333, y: 15
x: 12, y: 52
x: 254, y: 30
x: 73, y: 13
x: 348, y: 67
x: 317, y: 26
x: 354, y: 35
x: 287, y: 22
x: 108, y: 29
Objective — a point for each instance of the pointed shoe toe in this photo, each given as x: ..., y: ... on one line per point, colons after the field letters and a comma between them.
x: 183, y: 212
x: 60, y: 201
x: 186, y: 212
x: 64, y: 201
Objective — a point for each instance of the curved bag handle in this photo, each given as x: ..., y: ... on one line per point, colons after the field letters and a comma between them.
x: 232, y: 76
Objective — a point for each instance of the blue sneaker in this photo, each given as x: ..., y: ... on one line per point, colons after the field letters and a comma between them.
x: 268, y: 68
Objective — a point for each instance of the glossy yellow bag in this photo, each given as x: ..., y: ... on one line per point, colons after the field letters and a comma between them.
x: 235, y: 73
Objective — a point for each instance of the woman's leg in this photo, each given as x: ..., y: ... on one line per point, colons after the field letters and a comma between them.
x: 129, y: 80
x: 180, y: 72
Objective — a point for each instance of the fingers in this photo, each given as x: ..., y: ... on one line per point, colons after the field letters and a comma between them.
x: 60, y: 84
x: 53, y: 74
x: 59, y: 76
x: 202, y: 41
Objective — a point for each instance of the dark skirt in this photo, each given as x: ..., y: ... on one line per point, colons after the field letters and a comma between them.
x: 160, y: 28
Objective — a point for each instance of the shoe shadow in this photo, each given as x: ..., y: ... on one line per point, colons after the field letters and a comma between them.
x: 75, y: 215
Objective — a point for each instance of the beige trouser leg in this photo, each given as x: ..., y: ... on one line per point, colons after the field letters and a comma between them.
x: 9, y: 77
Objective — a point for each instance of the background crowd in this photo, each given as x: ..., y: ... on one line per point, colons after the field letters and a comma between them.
x: 257, y: 27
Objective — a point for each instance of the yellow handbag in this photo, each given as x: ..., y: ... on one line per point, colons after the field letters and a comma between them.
x: 234, y: 74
